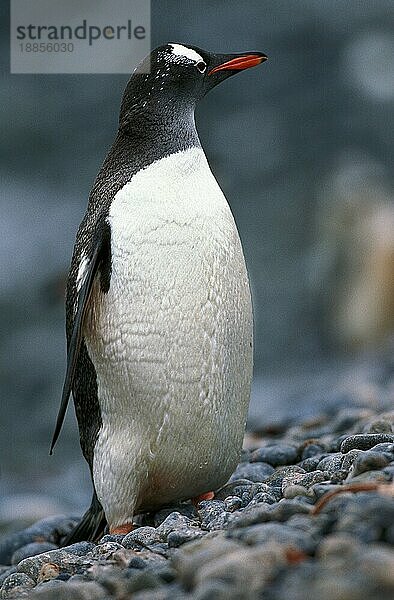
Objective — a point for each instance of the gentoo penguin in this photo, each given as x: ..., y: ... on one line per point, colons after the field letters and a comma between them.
x: 159, y: 315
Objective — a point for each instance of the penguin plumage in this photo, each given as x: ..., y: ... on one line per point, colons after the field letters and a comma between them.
x: 158, y: 310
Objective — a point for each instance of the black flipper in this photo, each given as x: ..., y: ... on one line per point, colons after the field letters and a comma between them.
x: 91, y: 527
x: 76, y: 338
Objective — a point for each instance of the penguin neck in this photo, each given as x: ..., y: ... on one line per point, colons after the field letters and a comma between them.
x: 151, y: 131
x: 144, y: 136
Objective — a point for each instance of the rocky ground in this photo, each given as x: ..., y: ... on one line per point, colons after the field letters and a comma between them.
x: 308, y: 513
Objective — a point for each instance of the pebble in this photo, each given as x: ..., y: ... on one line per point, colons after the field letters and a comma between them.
x: 51, y: 530
x: 73, y: 590
x: 173, y: 522
x: 143, y: 536
x: 213, y: 515
x: 31, y: 550
x: 309, y: 464
x: 331, y: 463
x: 276, y: 455
x: 369, y: 461
x: 40, y: 566
x: 379, y: 426
x: 177, y: 538
x: 385, y: 447
x: 295, y: 490
x: 365, y: 441
x: 104, y: 550
x: 16, y: 585
x: 311, y: 450
x: 232, y: 503
x: 81, y: 548
x: 281, y: 473
x: 282, y: 534
x: 6, y: 571
x: 258, y: 537
x: 257, y: 472
x: 349, y: 459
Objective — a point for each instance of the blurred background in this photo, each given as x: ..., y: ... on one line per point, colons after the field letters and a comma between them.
x: 303, y: 149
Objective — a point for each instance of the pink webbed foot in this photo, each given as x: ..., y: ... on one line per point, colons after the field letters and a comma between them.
x: 122, y: 529
x: 207, y: 496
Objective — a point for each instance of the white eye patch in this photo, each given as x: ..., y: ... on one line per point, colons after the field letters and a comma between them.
x: 183, y: 51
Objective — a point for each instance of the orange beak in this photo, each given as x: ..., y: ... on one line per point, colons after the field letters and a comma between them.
x: 240, y: 63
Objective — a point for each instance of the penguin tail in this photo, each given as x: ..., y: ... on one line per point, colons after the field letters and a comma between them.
x: 91, y: 527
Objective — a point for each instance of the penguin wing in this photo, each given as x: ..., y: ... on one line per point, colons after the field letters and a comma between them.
x: 76, y: 338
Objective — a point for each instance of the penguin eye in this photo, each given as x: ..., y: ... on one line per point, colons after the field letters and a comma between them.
x: 201, y: 66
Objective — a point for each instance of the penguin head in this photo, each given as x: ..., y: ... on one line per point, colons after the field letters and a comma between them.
x: 175, y: 74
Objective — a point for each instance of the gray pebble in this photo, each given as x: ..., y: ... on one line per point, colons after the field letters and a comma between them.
x: 312, y: 450
x: 159, y: 548
x: 118, y: 538
x: 49, y: 564
x: 292, y: 491
x: 144, y: 559
x: 320, y: 489
x: 213, y: 515
x: 173, y: 522
x: 349, y: 459
x: 385, y: 447
x: 339, y: 476
x: 389, y: 472
x: 257, y: 472
x: 371, y: 476
x: 80, y: 548
x: 31, y: 550
x: 379, y: 426
x: 312, y: 478
x: 143, y: 536
x: 290, y: 473
x: 365, y: 441
x: 105, y: 550
x: 310, y: 464
x: 233, y: 488
x: 346, y: 418
x: 5, y: 573
x: 369, y: 461
x: 144, y: 580
x: 261, y: 513
x: 51, y: 587
x: 275, y: 455
x: 16, y: 585
x: 232, y: 503
x: 263, y: 497
x: 195, y: 555
x: 72, y: 590
x: 338, y: 544
x: 177, y: 538
x: 285, y: 509
x: 79, y: 578
x: 241, y: 573
x: 51, y: 529
x: 274, y: 532
x: 331, y: 463
x: 186, y: 509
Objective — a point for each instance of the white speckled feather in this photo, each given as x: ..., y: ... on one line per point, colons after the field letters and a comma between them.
x: 171, y: 341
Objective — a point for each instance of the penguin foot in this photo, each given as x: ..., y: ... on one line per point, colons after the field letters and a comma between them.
x: 207, y: 496
x: 122, y: 529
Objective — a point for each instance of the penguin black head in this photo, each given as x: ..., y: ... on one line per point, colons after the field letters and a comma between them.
x: 175, y: 75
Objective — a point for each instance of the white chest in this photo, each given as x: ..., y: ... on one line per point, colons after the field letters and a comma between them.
x: 171, y: 340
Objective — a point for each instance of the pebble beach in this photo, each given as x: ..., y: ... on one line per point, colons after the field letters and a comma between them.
x: 308, y: 513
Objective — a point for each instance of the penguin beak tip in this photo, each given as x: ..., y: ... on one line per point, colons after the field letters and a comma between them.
x: 240, y: 63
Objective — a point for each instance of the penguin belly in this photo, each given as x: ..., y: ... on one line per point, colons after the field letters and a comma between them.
x: 171, y: 341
